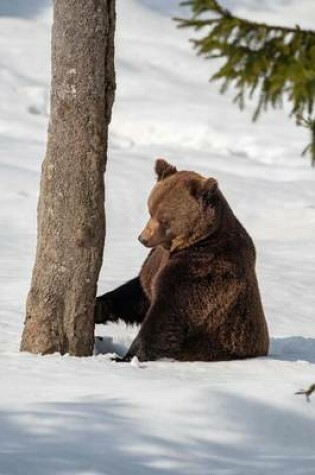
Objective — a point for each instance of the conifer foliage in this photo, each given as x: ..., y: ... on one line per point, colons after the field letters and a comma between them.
x: 274, y: 61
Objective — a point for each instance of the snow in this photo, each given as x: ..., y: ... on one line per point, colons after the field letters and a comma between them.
x: 91, y: 416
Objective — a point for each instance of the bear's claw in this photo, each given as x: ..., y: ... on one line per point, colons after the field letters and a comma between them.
x: 124, y: 359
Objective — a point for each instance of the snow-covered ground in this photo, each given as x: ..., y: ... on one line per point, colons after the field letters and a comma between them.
x: 62, y: 415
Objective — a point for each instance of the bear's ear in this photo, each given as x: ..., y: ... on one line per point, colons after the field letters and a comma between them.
x: 204, y: 190
x: 163, y: 169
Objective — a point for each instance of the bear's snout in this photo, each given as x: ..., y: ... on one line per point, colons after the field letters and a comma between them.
x: 152, y: 235
x: 142, y: 240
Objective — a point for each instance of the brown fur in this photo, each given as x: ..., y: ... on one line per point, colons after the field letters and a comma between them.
x: 199, y: 280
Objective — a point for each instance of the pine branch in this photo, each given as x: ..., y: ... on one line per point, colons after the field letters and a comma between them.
x: 307, y: 392
x: 273, y: 61
x: 213, y: 6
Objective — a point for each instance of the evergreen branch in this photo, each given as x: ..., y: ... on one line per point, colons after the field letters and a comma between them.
x: 199, y: 7
x: 199, y: 23
x: 307, y: 392
x: 273, y: 61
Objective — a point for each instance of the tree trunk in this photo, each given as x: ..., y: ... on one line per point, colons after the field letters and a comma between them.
x: 71, y: 218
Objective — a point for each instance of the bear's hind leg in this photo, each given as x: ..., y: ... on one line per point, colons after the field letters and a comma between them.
x: 199, y: 347
x: 161, y: 336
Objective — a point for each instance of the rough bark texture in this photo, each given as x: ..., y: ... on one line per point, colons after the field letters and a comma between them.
x: 71, y: 219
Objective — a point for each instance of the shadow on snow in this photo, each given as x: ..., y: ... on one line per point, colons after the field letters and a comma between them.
x: 22, y: 8
x: 293, y: 348
x: 109, y: 437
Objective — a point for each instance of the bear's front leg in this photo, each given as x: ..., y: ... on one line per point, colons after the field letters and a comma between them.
x: 161, y: 335
x: 102, y: 310
x: 128, y: 303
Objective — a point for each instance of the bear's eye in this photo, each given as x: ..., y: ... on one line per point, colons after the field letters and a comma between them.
x: 164, y: 222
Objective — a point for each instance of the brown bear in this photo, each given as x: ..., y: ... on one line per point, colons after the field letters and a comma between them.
x: 197, y: 296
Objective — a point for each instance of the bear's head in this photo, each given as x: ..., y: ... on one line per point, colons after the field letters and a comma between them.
x: 184, y: 208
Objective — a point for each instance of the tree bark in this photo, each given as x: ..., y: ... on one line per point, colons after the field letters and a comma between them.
x: 71, y: 218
